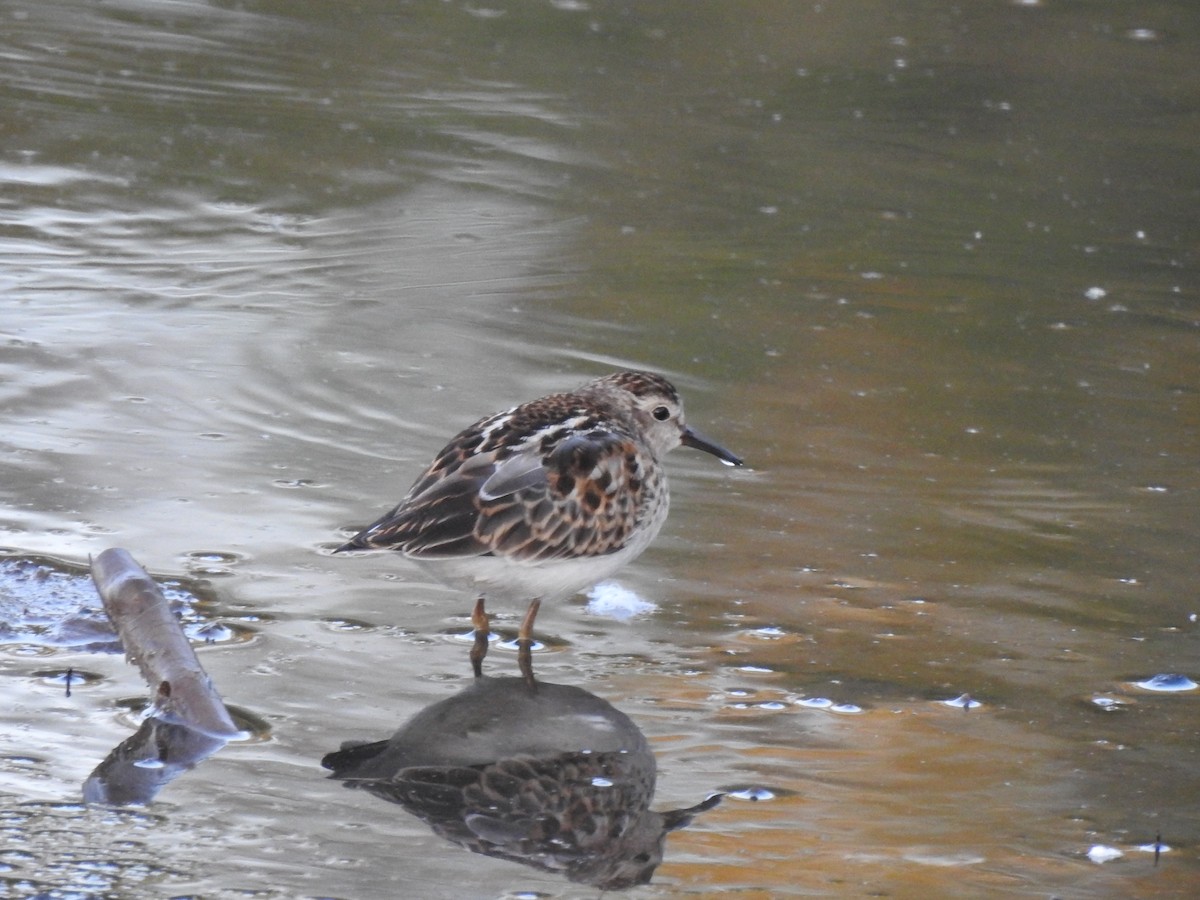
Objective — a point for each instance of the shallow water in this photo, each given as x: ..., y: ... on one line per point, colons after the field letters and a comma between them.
x: 930, y: 269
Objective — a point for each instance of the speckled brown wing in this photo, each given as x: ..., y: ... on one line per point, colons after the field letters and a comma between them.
x: 560, y: 493
x: 436, y: 518
x: 587, y: 496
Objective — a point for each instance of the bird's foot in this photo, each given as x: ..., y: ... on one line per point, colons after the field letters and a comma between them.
x: 525, y: 644
x: 483, y: 625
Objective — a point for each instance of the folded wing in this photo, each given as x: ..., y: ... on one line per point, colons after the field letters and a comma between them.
x: 580, y: 495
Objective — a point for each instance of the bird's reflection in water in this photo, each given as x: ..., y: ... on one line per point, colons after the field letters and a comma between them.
x: 543, y: 774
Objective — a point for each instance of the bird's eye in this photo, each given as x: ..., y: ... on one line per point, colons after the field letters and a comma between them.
x: 661, y: 413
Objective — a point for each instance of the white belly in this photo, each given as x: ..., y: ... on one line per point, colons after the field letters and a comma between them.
x: 513, y: 581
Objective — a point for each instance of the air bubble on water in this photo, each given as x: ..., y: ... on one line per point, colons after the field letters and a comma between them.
x: 752, y: 793
x: 769, y: 631
x: 1167, y: 684
x: 209, y: 632
x: 69, y: 679
x: 846, y: 709
x: 815, y: 702
x: 962, y: 701
x: 1095, y: 293
x: 211, y: 563
x: 346, y: 625
x: 1102, y: 854
x: 610, y: 600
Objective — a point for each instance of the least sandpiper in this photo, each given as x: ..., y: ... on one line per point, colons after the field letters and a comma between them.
x: 547, y: 498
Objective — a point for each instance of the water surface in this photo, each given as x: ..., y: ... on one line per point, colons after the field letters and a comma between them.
x: 930, y: 269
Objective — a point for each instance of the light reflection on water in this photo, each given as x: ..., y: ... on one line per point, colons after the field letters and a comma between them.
x: 929, y: 271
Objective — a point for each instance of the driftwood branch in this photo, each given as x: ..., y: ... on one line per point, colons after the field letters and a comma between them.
x: 187, y: 721
x: 154, y: 641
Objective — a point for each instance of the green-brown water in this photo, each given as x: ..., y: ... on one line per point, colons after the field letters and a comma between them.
x: 931, y: 268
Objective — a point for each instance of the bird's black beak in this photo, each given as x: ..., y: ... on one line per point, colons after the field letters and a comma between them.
x: 691, y: 438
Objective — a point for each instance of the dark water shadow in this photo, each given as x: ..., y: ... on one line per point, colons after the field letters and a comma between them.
x: 142, y: 764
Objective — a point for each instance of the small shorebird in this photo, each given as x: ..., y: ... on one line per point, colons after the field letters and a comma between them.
x: 547, y: 498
